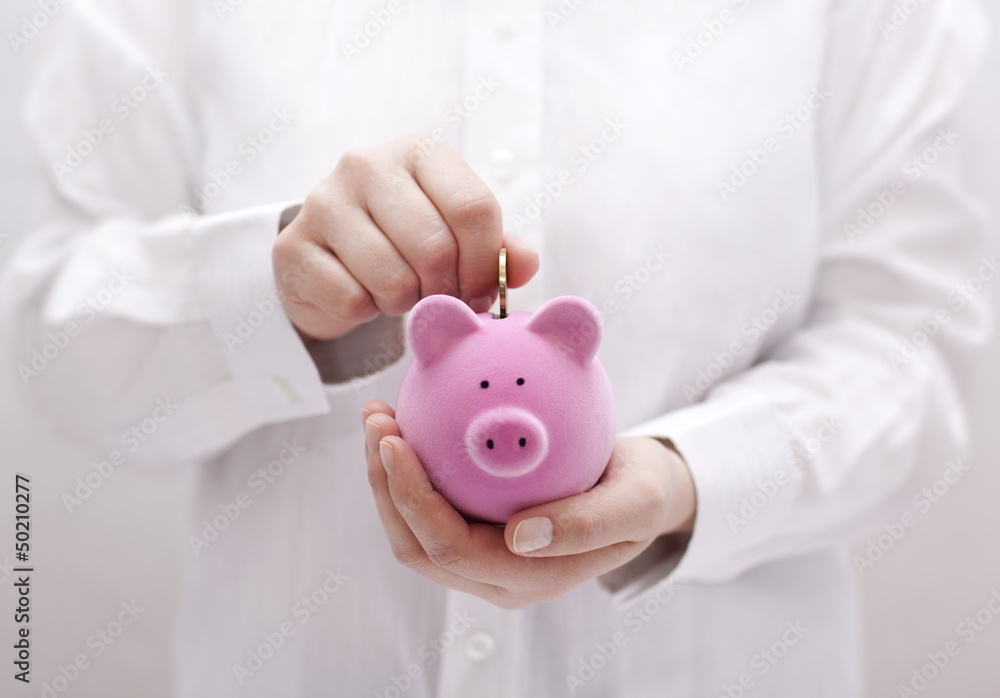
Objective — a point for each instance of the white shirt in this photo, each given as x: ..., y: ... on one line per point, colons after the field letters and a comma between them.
x: 694, y: 169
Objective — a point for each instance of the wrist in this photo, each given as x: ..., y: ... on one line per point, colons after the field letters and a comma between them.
x: 682, y: 498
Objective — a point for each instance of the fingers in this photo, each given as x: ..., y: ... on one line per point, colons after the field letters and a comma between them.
x: 443, y: 533
x: 404, y: 544
x: 475, y: 552
x: 389, y: 226
x: 340, y: 223
x: 373, y: 406
x: 411, y: 221
x: 628, y: 505
x: 471, y: 212
x: 522, y: 260
x: 430, y: 537
x: 373, y: 260
x: 569, y: 526
x: 321, y: 297
x: 406, y: 548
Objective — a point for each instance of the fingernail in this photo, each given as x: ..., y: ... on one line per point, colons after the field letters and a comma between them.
x: 388, y: 458
x: 481, y: 304
x: 532, y: 534
x: 373, y: 434
x: 365, y: 414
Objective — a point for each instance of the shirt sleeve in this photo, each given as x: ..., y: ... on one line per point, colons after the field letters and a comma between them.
x: 818, y: 441
x: 134, y: 322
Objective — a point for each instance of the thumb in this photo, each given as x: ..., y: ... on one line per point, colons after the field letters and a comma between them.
x: 522, y: 260
x: 627, y: 505
x: 577, y: 524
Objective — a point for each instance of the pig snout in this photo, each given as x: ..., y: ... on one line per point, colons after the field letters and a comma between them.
x: 507, y: 442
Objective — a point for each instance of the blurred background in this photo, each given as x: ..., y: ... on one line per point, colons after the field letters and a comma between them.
x: 127, y: 543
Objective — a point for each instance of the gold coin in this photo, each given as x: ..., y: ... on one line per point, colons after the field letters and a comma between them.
x: 503, y: 282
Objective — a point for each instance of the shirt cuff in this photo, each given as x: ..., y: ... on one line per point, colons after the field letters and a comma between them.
x: 273, y: 377
x: 731, y: 443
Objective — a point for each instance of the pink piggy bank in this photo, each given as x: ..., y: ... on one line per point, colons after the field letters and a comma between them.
x: 507, y: 413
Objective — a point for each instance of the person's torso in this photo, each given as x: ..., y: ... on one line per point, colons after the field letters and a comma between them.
x: 663, y: 159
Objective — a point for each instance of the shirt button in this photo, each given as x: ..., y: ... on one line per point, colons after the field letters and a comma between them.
x: 479, y: 646
x: 503, y: 163
x: 286, y: 390
x: 503, y: 26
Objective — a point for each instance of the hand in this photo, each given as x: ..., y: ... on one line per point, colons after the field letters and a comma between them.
x: 390, y: 225
x: 646, y: 491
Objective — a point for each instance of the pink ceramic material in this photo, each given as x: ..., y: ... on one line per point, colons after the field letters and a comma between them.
x: 507, y: 414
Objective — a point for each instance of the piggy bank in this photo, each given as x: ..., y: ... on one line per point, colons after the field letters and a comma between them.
x: 506, y: 413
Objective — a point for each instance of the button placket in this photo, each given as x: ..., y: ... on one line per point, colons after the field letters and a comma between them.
x: 480, y: 664
x: 502, y: 140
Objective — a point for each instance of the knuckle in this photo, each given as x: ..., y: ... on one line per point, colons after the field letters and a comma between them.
x: 475, y: 208
x: 402, y: 289
x: 357, y: 161
x: 316, y: 199
x: 510, y: 602
x: 439, y: 253
x: 417, y: 136
x: 318, y: 206
x: 302, y: 271
x: 356, y: 304
x: 647, y: 518
x: 409, y: 557
x: 287, y: 260
x: 651, y: 501
x: 654, y: 499
x: 374, y: 476
x: 283, y: 254
x: 444, y: 555
x: 567, y: 520
x: 591, y: 526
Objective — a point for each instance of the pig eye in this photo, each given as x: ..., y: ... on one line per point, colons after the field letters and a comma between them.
x: 520, y: 381
x: 484, y: 384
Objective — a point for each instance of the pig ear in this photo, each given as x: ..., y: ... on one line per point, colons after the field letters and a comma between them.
x: 572, y: 323
x: 436, y: 322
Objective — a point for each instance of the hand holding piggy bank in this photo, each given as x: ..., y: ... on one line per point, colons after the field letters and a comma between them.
x: 506, y: 414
